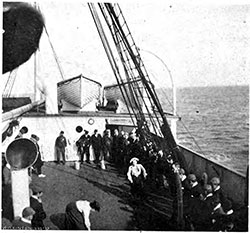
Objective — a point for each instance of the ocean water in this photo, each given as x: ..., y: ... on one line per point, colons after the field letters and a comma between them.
x: 215, y: 123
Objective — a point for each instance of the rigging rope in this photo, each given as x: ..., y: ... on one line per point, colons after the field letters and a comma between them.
x: 53, y: 50
x: 171, y: 105
x: 136, y: 85
x: 134, y: 59
x: 185, y: 127
x: 131, y: 80
x: 10, y: 83
x: 108, y: 52
x: 55, y: 56
x: 127, y: 62
x: 196, y: 143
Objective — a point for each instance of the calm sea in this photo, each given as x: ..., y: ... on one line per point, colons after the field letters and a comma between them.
x: 215, y: 123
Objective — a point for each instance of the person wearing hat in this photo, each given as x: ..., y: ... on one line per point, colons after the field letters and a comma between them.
x: 221, y: 197
x: 24, y: 223
x: 96, y: 142
x: 83, y: 144
x: 134, y: 148
x: 195, y: 188
x: 136, y: 174
x: 201, y: 210
x: 115, y: 146
x: 77, y: 214
x: 60, y: 145
x: 192, y: 192
x: 37, y: 166
x: 107, y: 141
x: 22, y: 131
x: 37, y: 205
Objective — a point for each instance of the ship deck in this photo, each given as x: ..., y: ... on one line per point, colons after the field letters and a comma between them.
x: 119, y: 211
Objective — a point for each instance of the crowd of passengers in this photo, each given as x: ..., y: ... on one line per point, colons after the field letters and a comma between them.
x: 206, y: 205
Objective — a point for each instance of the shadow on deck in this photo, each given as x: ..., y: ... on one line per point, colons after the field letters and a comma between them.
x: 64, y: 184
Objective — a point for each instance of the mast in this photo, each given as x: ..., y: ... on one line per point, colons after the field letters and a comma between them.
x: 35, y: 63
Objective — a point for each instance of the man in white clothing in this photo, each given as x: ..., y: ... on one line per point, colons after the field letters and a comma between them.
x: 136, y: 174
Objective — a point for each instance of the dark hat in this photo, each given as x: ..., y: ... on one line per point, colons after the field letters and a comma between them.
x: 86, y: 131
x: 28, y: 211
x: 62, y: 132
x: 24, y: 130
x: 35, y: 137
x: 95, y: 205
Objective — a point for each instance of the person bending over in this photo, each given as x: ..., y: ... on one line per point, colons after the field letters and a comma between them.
x: 77, y: 214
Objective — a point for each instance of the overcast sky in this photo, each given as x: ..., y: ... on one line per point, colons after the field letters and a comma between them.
x: 200, y: 45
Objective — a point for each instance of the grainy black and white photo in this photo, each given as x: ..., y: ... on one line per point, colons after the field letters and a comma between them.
x: 125, y: 115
